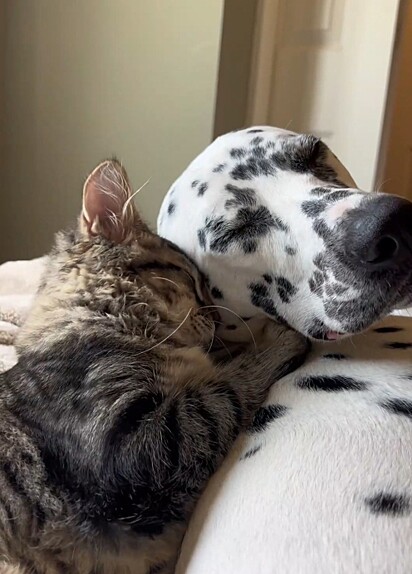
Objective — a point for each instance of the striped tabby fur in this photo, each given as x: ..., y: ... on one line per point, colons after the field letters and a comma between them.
x: 115, y: 416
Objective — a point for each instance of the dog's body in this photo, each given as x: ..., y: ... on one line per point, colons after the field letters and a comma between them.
x: 323, y: 485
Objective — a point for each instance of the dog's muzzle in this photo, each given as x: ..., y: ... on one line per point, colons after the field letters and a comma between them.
x: 378, y: 234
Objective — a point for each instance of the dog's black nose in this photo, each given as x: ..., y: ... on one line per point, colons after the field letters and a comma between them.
x: 378, y: 234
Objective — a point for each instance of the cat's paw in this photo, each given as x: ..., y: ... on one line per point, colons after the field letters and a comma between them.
x: 289, y: 346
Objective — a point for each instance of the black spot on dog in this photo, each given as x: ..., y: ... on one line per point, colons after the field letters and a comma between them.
x: 339, y: 289
x: 398, y: 407
x: 329, y: 290
x: 238, y: 152
x: 316, y: 282
x: 319, y: 261
x: 246, y: 318
x: 330, y: 384
x: 314, y: 208
x: 254, y: 131
x: 335, y: 356
x: 231, y: 327
x: 171, y: 208
x: 320, y: 191
x: 338, y: 195
x: 250, y: 246
x: 260, y: 298
x: 251, y: 452
x: 259, y: 289
x: 258, y: 152
x: 290, y: 250
x: 216, y: 293
x: 389, y: 503
x: 243, y: 230
x: 398, y: 345
x: 219, y: 168
x: 285, y: 289
x: 195, y: 183
x: 265, y: 415
x: 388, y: 330
x: 253, y: 167
x: 268, y: 278
x: 242, y: 196
x: 201, y: 237
x: 257, y: 140
x: 279, y: 224
x: 331, y: 194
x: 320, y: 227
x: 201, y: 189
x: 303, y: 154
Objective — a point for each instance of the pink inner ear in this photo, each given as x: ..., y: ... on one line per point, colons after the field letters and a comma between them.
x: 106, y: 192
x: 99, y: 203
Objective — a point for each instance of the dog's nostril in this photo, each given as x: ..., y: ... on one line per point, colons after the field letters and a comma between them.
x: 378, y: 234
x: 383, y: 250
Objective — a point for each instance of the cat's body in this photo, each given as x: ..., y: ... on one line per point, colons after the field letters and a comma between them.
x: 115, y: 416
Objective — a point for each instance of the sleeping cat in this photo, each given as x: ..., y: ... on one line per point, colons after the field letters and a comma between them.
x: 116, y: 415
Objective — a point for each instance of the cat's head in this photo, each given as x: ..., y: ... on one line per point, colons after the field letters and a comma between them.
x: 114, y: 267
x: 175, y: 288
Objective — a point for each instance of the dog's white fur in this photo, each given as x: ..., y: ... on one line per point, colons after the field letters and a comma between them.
x: 326, y: 488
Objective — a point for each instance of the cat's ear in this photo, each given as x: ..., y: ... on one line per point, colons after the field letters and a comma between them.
x: 108, y: 208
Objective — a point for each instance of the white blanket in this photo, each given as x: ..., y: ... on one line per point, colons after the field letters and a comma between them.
x: 19, y: 281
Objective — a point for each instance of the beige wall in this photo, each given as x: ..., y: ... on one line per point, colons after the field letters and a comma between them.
x: 85, y: 79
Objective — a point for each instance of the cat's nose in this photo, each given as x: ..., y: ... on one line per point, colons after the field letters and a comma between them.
x: 378, y: 235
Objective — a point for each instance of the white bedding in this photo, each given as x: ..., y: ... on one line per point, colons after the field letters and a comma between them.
x: 18, y: 284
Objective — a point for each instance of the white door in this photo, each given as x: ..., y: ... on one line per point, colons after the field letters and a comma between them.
x: 330, y: 63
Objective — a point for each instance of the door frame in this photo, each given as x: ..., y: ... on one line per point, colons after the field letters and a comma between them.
x: 263, y: 61
x: 404, y: 6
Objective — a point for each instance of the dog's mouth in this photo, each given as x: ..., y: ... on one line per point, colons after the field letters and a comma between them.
x: 333, y: 335
x: 322, y: 333
x: 328, y: 336
x: 359, y: 320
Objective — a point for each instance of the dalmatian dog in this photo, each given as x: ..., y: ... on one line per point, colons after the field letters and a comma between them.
x: 322, y: 481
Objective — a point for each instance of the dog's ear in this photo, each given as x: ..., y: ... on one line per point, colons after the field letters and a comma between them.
x: 108, y: 208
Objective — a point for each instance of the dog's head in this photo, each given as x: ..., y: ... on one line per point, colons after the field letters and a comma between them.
x: 278, y: 226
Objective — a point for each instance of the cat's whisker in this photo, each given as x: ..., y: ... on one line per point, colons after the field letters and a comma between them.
x: 168, y: 336
x: 211, y: 344
x: 238, y: 316
x: 130, y: 199
x: 167, y: 279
